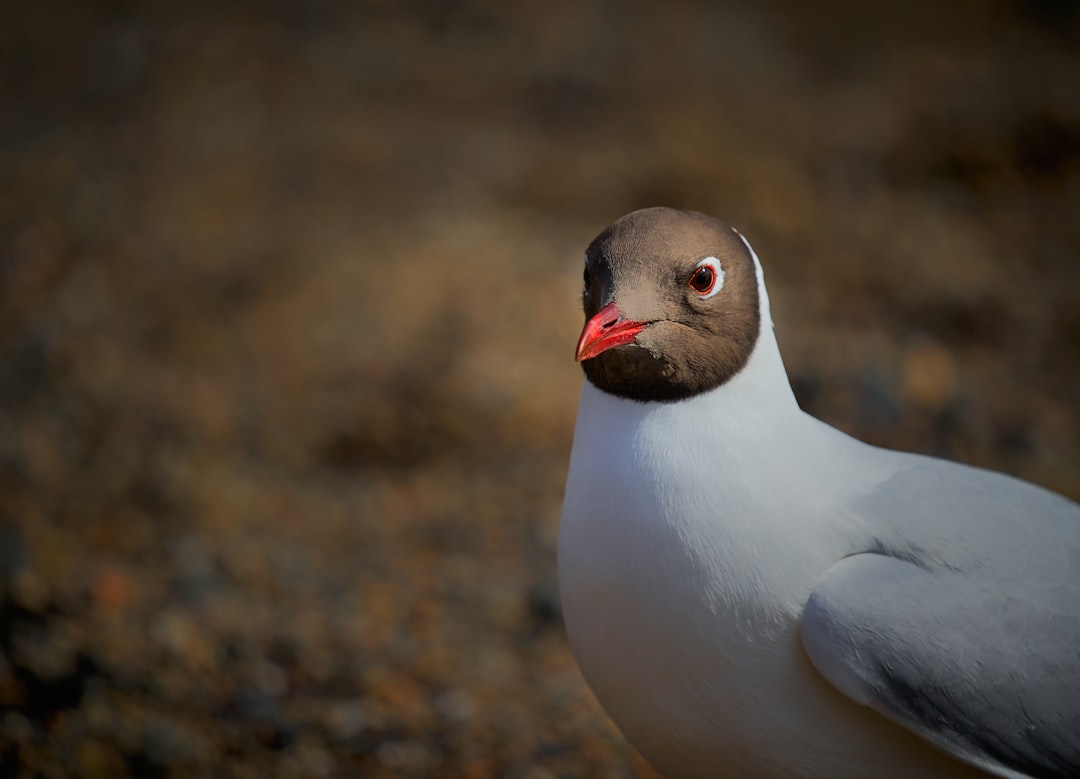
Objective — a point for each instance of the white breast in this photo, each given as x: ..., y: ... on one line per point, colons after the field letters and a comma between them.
x: 688, y: 546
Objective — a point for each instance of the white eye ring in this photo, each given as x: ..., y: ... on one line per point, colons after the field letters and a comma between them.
x: 713, y: 264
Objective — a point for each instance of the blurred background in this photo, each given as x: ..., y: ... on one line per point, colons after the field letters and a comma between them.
x: 288, y: 302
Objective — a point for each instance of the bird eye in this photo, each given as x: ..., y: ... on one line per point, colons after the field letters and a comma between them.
x: 703, y: 279
x: 708, y: 278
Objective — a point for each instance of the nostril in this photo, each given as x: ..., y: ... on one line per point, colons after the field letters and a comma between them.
x: 608, y: 317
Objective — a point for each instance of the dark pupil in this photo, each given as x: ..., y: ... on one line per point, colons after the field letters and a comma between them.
x: 702, y: 279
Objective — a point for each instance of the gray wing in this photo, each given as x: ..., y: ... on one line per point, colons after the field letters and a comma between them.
x: 963, y: 627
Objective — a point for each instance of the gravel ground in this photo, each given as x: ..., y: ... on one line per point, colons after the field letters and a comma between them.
x: 288, y: 298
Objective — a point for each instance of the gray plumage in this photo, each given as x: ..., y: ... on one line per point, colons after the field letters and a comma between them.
x: 964, y: 623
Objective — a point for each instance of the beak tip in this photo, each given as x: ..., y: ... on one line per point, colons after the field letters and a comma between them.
x: 605, y: 330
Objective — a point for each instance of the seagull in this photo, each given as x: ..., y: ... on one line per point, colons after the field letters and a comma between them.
x: 750, y: 592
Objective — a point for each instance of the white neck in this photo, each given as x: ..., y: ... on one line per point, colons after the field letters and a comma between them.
x: 764, y: 377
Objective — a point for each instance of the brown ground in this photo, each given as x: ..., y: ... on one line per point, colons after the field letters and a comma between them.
x: 287, y: 308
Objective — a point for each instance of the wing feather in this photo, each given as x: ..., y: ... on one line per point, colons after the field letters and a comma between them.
x: 964, y: 627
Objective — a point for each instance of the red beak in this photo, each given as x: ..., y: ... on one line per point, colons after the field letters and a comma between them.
x: 605, y: 331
